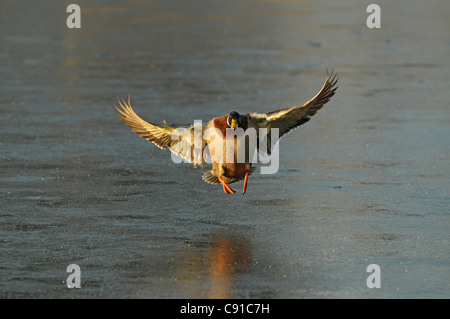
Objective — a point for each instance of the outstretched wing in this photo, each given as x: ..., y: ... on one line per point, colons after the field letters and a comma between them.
x: 184, y: 142
x: 290, y: 118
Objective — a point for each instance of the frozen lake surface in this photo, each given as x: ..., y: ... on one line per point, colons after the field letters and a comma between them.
x: 366, y: 181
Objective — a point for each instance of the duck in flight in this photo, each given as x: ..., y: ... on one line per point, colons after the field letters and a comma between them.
x: 180, y: 141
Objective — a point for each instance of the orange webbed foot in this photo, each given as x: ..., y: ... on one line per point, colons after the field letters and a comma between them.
x: 245, y: 183
x: 227, y: 189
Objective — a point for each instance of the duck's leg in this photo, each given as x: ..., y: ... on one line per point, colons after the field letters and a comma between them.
x: 227, y: 189
x: 245, y: 183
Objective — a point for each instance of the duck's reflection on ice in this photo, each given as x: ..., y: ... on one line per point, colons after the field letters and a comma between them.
x: 226, y: 260
x: 215, y: 268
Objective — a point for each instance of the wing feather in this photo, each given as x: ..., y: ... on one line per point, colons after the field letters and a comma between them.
x: 290, y: 118
x: 181, y: 141
x: 287, y: 119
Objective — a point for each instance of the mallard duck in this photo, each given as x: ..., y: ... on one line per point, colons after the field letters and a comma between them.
x: 190, y: 143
